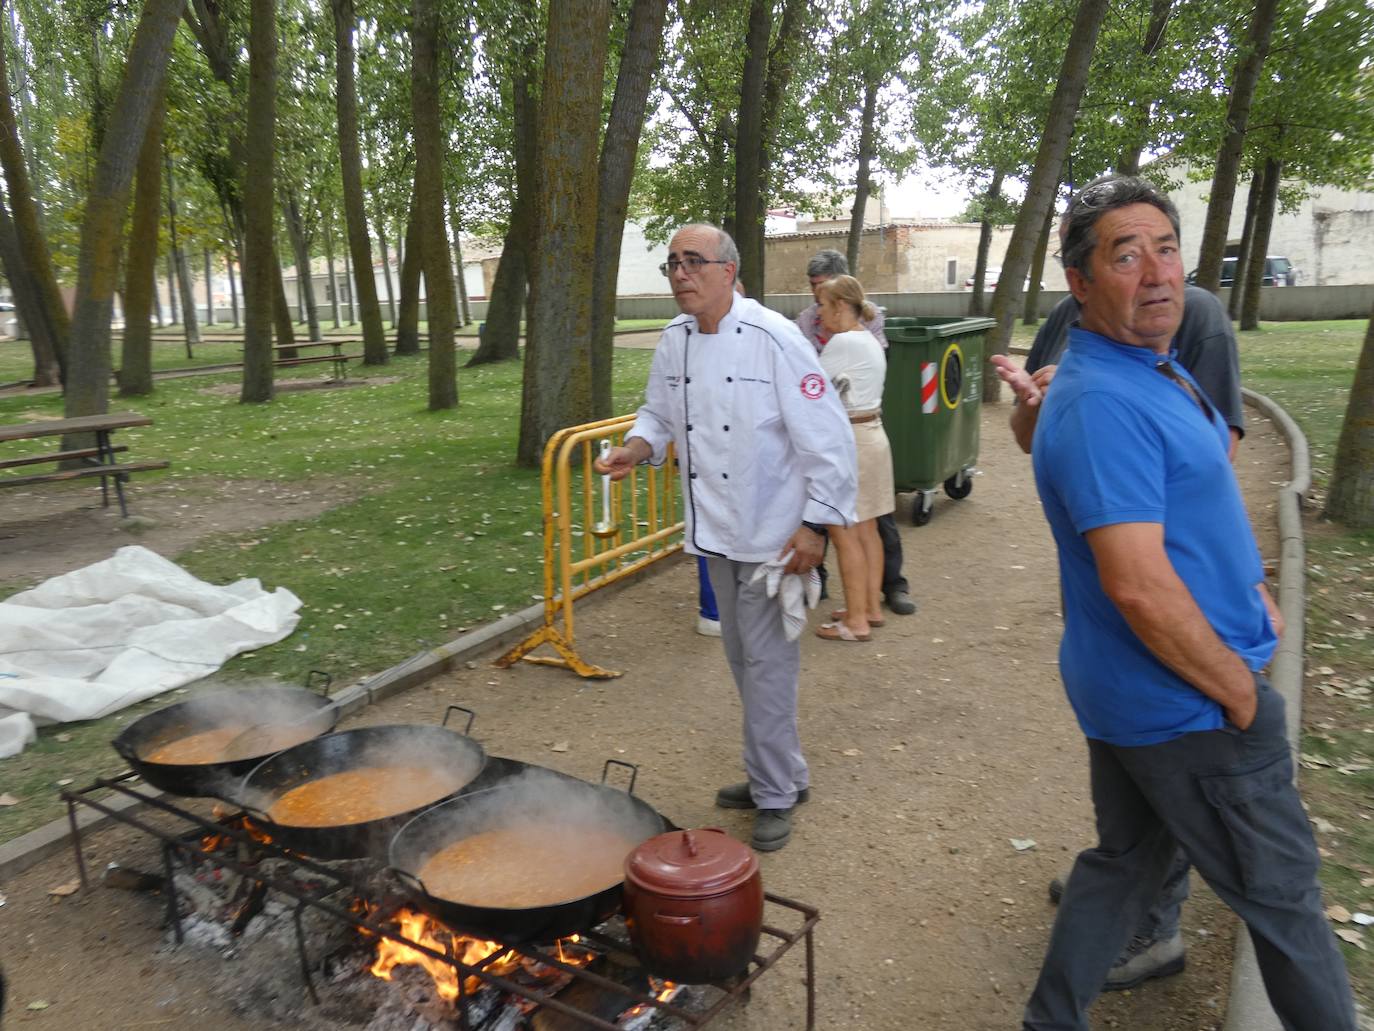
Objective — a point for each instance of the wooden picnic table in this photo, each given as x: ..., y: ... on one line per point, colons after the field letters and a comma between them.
x: 95, y: 461
x: 336, y: 355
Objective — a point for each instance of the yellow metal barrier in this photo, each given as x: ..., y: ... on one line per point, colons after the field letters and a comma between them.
x: 610, y: 534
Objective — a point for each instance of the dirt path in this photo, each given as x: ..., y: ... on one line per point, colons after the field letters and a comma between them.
x: 931, y: 749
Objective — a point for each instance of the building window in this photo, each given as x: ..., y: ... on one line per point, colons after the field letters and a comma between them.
x: 951, y: 273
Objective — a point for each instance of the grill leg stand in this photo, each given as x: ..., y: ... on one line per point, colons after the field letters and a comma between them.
x: 810, y: 979
x: 300, y: 951
x: 170, y: 887
x: 76, y: 844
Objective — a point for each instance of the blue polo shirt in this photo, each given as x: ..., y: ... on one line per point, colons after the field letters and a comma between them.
x: 1118, y: 442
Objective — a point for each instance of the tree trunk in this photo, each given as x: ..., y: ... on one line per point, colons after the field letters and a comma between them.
x: 173, y: 306
x: 233, y: 289
x: 333, y: 278
x: 348, y: 286
x: 1049, y: 163
x: 558, y: 381
x: 867, y: 151
x: 386, y: 271
x: 1350, y: 496
x: 1218, y: 221
x: 140, y: 266
x: 441, y: 301
x: 500, y: 340
x: 463, y: 314
x: 300, y: 246
x: 209, y: 289
x: 748, y: 156
x: 781, y: 58
x: 281, y: 312
x: 37, y: 264
x: 976, y: 301
x: 1031, y: 315
x: 408, y: 321
x: 46, y: 371
x: 88, y: 365
x: 351, y: 166
x: 638, y: 62
x: 1259, y: 248
x: 261, y: 278
x: 1247, y: 236
x: 190, y: 324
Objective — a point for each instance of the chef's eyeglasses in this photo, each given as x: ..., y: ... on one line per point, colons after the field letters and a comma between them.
x: 693, y: 263
x: 1166, y: 367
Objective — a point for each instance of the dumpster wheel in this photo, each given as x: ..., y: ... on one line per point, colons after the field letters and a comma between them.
x: 960, y: 485
x: 923, y: 507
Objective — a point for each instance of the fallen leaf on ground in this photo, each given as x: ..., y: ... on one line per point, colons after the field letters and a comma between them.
x: 851, y: 752
x: 1349, y: 934
x: 1363, y: 919
x: 8, y: 799
x: 1022, y: 844
x: 63, y: 890
x: 65, y: 781
x: 560, y: 746
x: 1338, y: 913
x: 64, y: 738
x: 1323, y: 826
x: 39, y: 1004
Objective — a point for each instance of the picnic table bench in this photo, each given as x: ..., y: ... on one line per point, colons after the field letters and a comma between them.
x: 336, y: 355
x: 95, y: 461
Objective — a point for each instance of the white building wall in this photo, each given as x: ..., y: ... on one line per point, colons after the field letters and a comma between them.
x: 1330, y: 238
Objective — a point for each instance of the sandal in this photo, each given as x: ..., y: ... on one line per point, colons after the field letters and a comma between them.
x: 839, y: 614
x: 840, y: 632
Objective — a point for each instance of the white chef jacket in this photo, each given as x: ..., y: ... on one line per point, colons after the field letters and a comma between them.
x: 763, y: 442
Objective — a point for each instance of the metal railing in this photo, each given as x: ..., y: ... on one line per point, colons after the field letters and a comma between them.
x: 595, y: 533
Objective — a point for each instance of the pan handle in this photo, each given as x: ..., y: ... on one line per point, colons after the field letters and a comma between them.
x: 126, y: 751
x: 411, y: 882
x: 310, y: 679
x: 467, y: 728
x: 634, y: 773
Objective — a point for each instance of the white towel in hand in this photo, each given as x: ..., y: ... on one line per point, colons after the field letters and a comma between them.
x: 796, y: 592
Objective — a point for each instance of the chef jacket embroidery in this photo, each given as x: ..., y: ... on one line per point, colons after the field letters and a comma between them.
x: 762, y: 441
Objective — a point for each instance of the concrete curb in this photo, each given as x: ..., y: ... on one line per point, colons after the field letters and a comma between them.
x: 32, y: 848
x: 1248, y: 1008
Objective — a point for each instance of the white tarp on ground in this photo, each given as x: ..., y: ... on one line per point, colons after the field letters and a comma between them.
x: 90, y: 642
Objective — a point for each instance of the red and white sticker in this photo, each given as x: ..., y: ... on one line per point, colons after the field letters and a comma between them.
x: 813, y: 385
x: 930, y: 401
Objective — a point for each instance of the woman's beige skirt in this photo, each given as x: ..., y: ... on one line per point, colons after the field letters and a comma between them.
x: 877, y: 493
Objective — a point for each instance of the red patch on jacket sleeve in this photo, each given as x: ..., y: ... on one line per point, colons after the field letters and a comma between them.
x: 813, y: 385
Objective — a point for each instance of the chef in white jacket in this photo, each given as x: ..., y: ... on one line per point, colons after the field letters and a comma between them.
x: 767, y: 461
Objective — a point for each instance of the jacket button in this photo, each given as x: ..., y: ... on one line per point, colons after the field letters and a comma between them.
x: 729, y: 379
x: 727, y: 429
x: 724, y: 476
x: 691, y: 476
x: 689, y: 427
x: 689, y: 379
x: 739, y: 329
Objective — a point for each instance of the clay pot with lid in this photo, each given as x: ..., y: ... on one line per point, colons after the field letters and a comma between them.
x: 694, y: 905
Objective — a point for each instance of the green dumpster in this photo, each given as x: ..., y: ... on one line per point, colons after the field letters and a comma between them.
x: 931, y: 405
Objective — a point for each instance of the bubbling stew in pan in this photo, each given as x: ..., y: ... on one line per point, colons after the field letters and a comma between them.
x: 358, y: 796
x: 195, y: 749
x: 523, y: 865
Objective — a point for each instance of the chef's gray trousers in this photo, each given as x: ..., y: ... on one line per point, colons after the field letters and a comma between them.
x: 1227, y: 797
x: 766, y: 666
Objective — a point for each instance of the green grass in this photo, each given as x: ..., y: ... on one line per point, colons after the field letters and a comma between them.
x: 445, y: 533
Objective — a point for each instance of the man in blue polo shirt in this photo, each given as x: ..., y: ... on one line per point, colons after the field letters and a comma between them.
x: 1167, y: 624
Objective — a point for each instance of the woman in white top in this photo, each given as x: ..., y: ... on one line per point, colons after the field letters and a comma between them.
x: 854, y: 361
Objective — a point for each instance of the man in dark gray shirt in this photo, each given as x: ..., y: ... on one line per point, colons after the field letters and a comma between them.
x: 1206, y: 347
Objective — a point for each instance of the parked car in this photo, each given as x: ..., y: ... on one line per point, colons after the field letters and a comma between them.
x: 1278, y: 271
x: 990, y: 278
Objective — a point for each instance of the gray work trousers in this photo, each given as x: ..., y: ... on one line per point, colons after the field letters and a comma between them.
x: 766, y: 666
x: 1227, y: 797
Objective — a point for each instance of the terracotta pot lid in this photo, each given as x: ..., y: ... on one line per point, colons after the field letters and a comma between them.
x: 691, y: 864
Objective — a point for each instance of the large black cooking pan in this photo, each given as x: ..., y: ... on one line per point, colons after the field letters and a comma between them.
x: 435, y: 747
x: 517, y: 792
x: 259, y: 708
